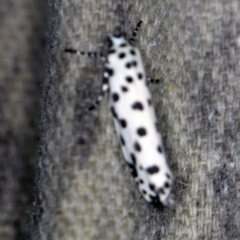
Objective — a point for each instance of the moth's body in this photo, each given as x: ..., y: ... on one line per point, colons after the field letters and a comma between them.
x: 134, y: 118
x: 135, y: 121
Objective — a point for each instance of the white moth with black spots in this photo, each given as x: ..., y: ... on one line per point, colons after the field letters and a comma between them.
x: 134, y: 118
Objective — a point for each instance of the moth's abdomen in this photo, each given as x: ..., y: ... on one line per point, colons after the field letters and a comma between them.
x: 142, y: 148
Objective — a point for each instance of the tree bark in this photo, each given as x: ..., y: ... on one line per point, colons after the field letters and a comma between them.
x: 23, y: 43
x: 84, y: 188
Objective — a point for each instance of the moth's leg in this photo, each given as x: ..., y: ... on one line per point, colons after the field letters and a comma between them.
x: 86, y: 54
x: 105, y: 88
x: 151, y: 80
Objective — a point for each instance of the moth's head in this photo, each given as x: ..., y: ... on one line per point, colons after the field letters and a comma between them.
x: 117, y: 39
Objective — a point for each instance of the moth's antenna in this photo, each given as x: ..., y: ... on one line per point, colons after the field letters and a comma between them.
x: 131, y: 40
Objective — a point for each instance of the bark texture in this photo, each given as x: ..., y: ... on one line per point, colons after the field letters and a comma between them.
x: 84, y: 189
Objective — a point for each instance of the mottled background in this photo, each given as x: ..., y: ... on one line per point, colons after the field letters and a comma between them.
x: 62, y: 175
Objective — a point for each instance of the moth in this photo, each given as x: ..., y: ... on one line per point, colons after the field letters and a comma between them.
x: 125, y: 80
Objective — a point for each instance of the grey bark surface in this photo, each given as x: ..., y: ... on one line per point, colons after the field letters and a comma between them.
x: 84, y: 188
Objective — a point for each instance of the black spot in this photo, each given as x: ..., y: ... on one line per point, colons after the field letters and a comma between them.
x: 141, y: 131
x: 122, y: 140
x: 134, y: 63
x: 168, y: 176
x: 152, y: 170
x: 115, y: 97
x: 109, y: 71
x: 141, y: 168
x: 167, y: 185
x: 149, y: 102
x: 154, y: 199
x: 111, y: 51
x: 140, y: 76
x: 109, y: 42
x: 121, y: 55
x: 161, y: 191
x: 159, y: 149
x: 132, y: 52
x: 137, y: 106
x: 113, y: 112
x: 105, y: 80
x: 152, y: 186
x: 123, y: 123
x: 124, y: 89
x: 141, y: 181
x: 129, y: 79
x: 133, y: 170
x: 117, y: 33
x: 128, y: 65
x: 123, y: 45
x: 137, y: 147
x: 144, y: 192
x: 133, y: 158
x: 91, y: 108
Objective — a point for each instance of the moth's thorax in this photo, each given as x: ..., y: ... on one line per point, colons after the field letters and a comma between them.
x: 116, y: 42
